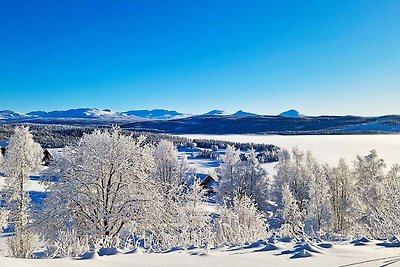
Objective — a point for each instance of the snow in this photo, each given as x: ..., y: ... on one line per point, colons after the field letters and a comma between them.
x: 280, y: 254
x: 326, y: 148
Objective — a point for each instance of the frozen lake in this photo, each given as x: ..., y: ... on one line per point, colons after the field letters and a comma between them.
x: 327, y: 148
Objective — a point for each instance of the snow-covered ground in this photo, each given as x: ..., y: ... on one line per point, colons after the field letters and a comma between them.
x: 326, y: 148
x: 257, y: 254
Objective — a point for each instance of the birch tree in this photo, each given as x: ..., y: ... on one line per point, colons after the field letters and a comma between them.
x: 369, y: 175
x: 291, y: 214
x: 342, y: 194
x: 23, y: 158
x: 229, y: 175
x: 103, y: 185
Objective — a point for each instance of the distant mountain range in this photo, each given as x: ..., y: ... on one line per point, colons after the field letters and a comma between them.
x: 94, y: 113
x: 11, y: 115
x: 213, y: 122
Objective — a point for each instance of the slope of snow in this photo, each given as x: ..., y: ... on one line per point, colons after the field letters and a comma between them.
x: 291, y: 113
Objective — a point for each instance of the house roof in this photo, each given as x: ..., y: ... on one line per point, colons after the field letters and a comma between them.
x: 200, y: 176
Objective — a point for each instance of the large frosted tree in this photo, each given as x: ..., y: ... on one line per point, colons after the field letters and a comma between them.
x: 23, y: 158
x: 103, y: 186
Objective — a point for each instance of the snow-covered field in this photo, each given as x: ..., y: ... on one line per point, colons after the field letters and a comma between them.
x: 326, y: 148
x: 257, y: 254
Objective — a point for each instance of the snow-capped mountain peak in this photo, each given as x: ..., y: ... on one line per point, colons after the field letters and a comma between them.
x: 158, y: 114
x: 241, y: 113
x: 291, y: 113
x: 215, y: 112
x: 82, y: 113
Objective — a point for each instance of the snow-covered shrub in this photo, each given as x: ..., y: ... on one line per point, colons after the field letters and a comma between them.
x: 68, y: 244
x: 240, y: 223
x: 23, y: 244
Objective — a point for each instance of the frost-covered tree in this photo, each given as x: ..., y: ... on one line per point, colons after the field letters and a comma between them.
x: 388, y: 214
x: 293, y: 171
x: 240, y: 223
x: 229, y: 174
x: 195, y: 228
x: 255, y: 183
x: 318, y: 209
x: 369, y: 175
x: 169, y: 170
x: 170, y: 177
x: 23, y: 158
x: 242, y: 178
x: 103, y: 185
x: 291, y: 214
x: 341, y: 186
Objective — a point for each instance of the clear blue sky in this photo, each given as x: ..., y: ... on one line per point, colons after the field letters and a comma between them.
x: 320, y: 57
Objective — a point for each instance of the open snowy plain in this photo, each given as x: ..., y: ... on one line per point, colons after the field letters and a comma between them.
x: 326, y: 148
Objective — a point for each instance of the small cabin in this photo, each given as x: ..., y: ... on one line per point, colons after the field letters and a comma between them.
x: 207, y: 181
